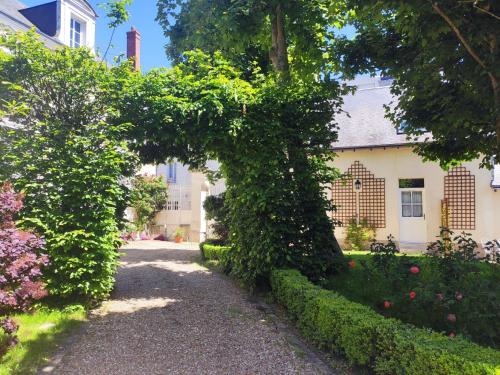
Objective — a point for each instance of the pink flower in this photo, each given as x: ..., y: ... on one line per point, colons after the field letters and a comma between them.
x: 414, y: 270
x: 387, y: 304
x: 452, y: 318
x: 413, y: 295
x: 452, y: 334
x: 440, y: 296
x: 459, y: 296
x: 9, y: 326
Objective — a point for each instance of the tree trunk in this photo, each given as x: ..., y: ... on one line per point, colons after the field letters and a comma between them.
x: 279, y: 49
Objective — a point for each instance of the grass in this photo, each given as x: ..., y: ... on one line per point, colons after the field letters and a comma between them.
x: 39, y: 334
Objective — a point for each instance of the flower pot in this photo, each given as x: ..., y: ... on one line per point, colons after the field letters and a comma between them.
x: 178, y: 239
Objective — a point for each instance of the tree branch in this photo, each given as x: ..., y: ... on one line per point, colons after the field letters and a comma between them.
x: 486, y: 11
x: 462, y: 39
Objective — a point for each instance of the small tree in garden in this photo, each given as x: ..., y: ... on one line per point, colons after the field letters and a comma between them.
x: 216, y: 210
x: 68, y: 159
x: 20, y: 265
x: 148, y: 197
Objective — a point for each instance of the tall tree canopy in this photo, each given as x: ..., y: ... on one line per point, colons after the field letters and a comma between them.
x: 256, y: 98
x: 203, y: 108
x: 254, y: 31
x: 445, y: 58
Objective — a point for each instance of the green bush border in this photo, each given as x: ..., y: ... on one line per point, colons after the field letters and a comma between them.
x: 366, y: 338
x: 216, y: 254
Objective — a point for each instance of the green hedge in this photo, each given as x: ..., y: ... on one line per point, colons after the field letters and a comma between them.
x: 217, y: 253
x: 366, y: 338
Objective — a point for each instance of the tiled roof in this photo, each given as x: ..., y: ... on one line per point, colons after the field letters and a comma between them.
x: 363, y: 123
x: 11, y: 18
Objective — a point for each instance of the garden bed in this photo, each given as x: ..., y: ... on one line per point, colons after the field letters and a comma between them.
x: 448, y: 295
x: 366, y: 338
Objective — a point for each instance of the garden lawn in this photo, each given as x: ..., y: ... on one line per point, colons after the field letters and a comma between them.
x: 39, y: 333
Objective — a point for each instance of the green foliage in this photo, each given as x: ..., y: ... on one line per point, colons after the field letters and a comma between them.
x: 366, y: 338
x: 68, y: 159
x: 178, y: 233
x: 116, y: 12
x: 447, y: 79
x: 272, y: 140
x: 221, y: 255
x: 148, y: 196
x: 241, y: 30
x: 216, y: 210
x: 359, y: 235
x: 454, y: 293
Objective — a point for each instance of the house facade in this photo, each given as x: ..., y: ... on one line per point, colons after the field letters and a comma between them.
x: 187, y: 191
x: 61, y: 22
x: 398, y: 193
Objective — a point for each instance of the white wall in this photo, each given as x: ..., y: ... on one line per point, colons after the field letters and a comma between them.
x: 395, y: 163
x: 79, y: 10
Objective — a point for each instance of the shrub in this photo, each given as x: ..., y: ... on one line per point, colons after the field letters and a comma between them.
x: 20, y: 265
x: 451, y: 291
x: 69, y: 158
x: 358, y: 236
x: 387, y: 346
x: 216, y: 253
x: 217, y: 211
x: 148, y: 197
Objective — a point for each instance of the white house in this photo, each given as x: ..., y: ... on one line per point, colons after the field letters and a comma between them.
x: 60, y: 22
x: 398, y: 193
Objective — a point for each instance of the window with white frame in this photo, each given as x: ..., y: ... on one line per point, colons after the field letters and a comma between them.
x: 76, y: 33
x: 172, y: 173
x: 411, y: 204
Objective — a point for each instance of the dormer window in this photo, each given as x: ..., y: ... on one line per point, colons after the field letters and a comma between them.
x: 75, y: 33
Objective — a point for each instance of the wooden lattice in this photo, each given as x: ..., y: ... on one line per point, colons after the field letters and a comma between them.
x: 371, y: 198
x: 460, y: 197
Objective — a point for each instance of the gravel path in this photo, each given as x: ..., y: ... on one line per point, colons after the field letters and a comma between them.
x: 169, y: 315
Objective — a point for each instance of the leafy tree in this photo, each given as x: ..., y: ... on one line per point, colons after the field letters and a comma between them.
x: 249, y: 32
x: 217, y: 210
x: 204, y: 109
x: 20, y: 265
x: 148, y: 196
x: 68, y: 159
x: 117, y: 14
x: 445, y: 58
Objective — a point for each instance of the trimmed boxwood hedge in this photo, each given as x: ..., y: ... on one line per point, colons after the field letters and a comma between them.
x: 366, y: 338
x: 218, y: 254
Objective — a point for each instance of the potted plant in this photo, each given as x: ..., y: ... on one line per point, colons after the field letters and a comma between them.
x: 178, y: 234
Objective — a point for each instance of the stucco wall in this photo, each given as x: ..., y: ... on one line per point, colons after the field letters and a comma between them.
x: 396, y: 163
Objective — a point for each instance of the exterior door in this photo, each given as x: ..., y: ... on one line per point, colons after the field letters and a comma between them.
x: 412, y: 227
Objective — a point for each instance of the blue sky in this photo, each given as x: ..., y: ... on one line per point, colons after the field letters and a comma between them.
x: 142, y: 16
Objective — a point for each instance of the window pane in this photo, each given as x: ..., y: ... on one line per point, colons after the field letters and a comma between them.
x: 77, y: 26
x: 417, y: 197
x: 417, y: 210
x: 407, y: 210
x: 406, y: 197
x: 411, y: 183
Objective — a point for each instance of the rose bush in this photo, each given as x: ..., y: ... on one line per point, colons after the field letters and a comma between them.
x: 450, y: 291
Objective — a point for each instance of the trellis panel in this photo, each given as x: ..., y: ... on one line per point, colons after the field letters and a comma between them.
x: 460, y: 197
x: 371, y: 198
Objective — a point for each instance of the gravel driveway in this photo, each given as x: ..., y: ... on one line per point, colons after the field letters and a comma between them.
x: 169, y: 315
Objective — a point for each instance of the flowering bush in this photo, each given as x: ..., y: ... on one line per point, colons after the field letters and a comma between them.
x: 450, y: 291
x: 20, y: 265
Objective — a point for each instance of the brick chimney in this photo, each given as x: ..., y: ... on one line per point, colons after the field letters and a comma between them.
x: 134, y: 47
